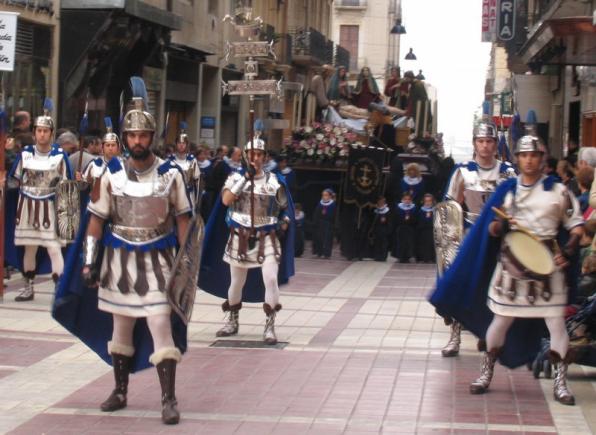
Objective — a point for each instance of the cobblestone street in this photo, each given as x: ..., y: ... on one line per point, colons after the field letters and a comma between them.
x: 362, y: 356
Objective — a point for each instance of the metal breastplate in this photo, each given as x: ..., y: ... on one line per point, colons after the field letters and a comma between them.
x: 476, y: 193
x: 40, y: 183
x: 141, y: 211
x: 266, y: 206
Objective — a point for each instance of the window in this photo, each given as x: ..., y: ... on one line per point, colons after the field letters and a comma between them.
x: 348, y: 38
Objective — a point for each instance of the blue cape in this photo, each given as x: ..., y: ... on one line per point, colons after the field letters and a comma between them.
x: 13, y: 255
x: 214, y: 276
x: 461, y: 293
x: 75, y: 307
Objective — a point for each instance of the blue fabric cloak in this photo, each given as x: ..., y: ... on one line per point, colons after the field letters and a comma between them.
x: 461, y: 293
x: 214, y: 276
x: 75, y: 306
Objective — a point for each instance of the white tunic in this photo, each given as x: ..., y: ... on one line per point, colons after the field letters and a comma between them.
x: 36, y: 215
x: 542, y: 212
x: 133, y: 280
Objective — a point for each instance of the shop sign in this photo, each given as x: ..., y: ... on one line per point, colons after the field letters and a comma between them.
x: 8, y: 35
x: 506, y: 21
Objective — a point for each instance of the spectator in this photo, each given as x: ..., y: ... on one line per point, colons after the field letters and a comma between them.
x: 550, y: 168
x: 584, y: 177
x: 565, y: 172
x: 68, y: 142
x: 91, y: 150
x: 586, y: 157
x: 21, y: 129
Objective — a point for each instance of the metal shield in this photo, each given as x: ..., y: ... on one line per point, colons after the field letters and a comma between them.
x: 182, y: 286
x: 67, y: 205
x: 448, y: 232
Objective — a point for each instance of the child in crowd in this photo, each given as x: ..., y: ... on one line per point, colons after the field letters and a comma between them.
x: 405, y: 233
x: 381, y: 230
x: 425, y: 247
x: 413, y: 183
x: 324, y: 224
x: 299, y: 237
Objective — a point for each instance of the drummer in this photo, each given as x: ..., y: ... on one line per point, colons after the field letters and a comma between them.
x: 537, y: 205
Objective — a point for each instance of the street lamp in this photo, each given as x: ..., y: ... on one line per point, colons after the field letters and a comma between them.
x: 411, y: 55
x: 398, y: 29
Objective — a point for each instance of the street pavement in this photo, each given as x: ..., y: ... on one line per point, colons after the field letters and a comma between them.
x: 362, y: 356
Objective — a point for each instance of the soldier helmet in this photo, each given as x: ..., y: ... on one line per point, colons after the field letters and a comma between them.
x: 110, y: 136
x: 45, y: 120
x: 255, y: 144
x: 138, y: 118
x: 485, y: 129
x: 182, y: 135
x: 529, y: 143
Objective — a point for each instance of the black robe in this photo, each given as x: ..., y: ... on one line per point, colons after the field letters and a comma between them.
x: 299, y: 235
x: 380, y: 233
x: 425, y: 244
x: 323, y: 229
x: 405, y: 233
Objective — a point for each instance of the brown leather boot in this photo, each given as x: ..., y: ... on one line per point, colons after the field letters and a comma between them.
x: 452, y: 346
x: 117, y: 399
x: 28, y: 293
x: 166, y: 370
x: 232, y: 321
x: 560, y: 391
x: 269, y: 336
x: 480, y: 385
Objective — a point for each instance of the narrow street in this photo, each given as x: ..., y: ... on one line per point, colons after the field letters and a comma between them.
x: 362, y: 356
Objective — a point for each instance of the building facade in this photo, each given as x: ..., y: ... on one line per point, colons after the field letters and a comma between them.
x: 37, y: 51
x: 551, y: 63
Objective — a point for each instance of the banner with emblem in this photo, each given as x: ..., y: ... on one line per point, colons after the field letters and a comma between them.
x: 364, y: 181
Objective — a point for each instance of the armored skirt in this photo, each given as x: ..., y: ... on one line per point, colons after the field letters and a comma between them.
x: 36, y: 223
x: 512, y: 297
x: 266, y: 248
x: 132, y: 283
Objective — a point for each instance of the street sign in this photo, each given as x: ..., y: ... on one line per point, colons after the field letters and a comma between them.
x: 8, y: 36
x: 506, y: 20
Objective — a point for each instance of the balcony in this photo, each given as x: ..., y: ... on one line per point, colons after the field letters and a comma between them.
x: 310, y: 47
x: 351, y: 4
x: 341, y: 56
x: 46, y: 6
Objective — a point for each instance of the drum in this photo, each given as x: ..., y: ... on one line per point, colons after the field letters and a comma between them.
x: 525, y: 257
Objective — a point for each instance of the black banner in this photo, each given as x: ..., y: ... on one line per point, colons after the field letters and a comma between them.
x: 364, y: 182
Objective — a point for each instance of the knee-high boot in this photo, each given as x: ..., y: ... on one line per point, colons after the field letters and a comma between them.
x: 28, y: 293
x: 560, y: 391
x: 269, y: 336
x: 232, y: 322
x: 165, y: 361
x: 121, y: 360
x: 480, y: 385
x: 452, y: 346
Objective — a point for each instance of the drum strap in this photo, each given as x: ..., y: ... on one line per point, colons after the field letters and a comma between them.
x: 20, y: 208
x: 46, y: 214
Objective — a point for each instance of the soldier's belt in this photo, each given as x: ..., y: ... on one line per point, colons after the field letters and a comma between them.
x: 137, y: 235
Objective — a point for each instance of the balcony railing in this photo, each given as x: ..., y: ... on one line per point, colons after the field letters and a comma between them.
x: 341, y: 56
x: 351, y: 4
x: 35, y: 5
x: 311, y: 43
